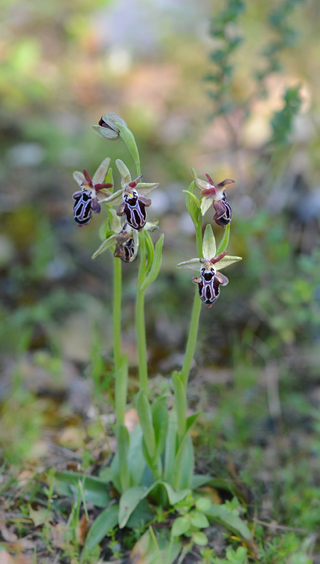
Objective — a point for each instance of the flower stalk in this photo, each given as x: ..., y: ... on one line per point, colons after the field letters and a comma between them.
x: 140, y: 318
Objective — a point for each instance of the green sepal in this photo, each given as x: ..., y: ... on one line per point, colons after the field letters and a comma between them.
x: 209, y: 243
x: 156, y: 265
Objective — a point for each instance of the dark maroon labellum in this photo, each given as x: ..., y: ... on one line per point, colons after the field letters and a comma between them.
x: 209, y: 283
x: 223, y: 211
x: 82, y: 207
x: 134, y: 208
x: 125, y: 251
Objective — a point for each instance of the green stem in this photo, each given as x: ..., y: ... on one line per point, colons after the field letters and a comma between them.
x: 117, y: 284
x: 140, y: 320
x: 194, y: 323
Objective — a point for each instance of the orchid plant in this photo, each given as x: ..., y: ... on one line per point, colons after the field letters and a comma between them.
x: 156, y: 459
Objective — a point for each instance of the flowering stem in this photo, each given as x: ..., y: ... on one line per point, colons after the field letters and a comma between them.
x: 117, y: 284
x: 194, y: 323
x: 140, y: 320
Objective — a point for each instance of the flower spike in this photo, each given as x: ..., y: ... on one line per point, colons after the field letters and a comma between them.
x: 86, y: 200
x: 210, y: 279
x: 215, y: 194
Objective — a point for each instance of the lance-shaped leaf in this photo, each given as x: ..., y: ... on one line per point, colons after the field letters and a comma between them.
x: 100, y: 174
x: 225, y: 240
x: 226, y: 261
x: 145, y: 417
x: 105, y: 245
x: 192, y: 264
x: 209, y: 243
x: 193, y: 205
x: 156, y: 265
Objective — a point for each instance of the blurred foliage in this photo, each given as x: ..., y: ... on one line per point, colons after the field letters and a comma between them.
x: 62, y: 67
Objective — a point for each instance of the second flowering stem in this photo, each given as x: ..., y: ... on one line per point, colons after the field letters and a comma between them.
x: 140, y: 318
x: 194, y: 322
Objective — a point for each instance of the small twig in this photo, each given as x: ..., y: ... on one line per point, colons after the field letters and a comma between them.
x: 273, y: 525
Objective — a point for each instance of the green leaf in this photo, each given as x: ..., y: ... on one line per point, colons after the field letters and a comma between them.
x: 180, y: 526
x: 156, y: 265
x: 191, y: 420
x: 136, y: 461
x: 193, y: 206
x: 141, y: 515
x: 180, y: 402
x: 160, y: 419
x: 170, y: 452
x: 199, y: 520
x: 154, y: 547
x: 109, y: 177
x: 149, y: 249
x: 133, y: 496
x: 145, y: 417
x: 200, y: 538
x: 226, y: 261
x: 123, y: 441
x: 95, y: 489
x: 129, y: 501
x: 208, y: 243
x: 203, y: 504
x: 223, y: 245
x: 101, y: 526
x: 184, y: 464
x: 227, y: 517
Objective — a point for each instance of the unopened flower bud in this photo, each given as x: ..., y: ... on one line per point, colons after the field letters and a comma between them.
x: 108, y: 126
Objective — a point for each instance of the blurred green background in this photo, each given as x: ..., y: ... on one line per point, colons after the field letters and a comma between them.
x: 229, y: 88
